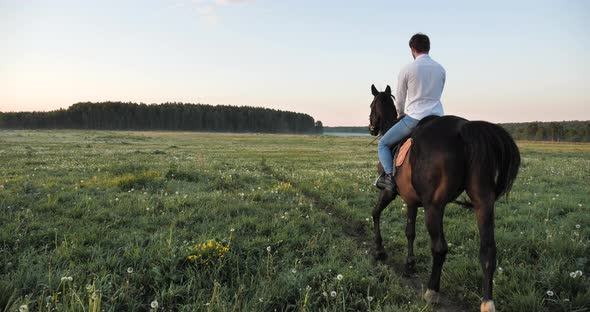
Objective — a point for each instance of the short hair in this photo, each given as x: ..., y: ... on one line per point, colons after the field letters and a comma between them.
x: 420, y: 43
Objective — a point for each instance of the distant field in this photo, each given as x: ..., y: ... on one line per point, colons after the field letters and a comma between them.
x: 109, y: 220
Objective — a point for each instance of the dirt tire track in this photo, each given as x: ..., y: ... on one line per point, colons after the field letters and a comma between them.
x: 358, y: 231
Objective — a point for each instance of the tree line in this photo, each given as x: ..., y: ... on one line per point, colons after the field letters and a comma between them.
x: 166, y: 116
x: 563, y: 131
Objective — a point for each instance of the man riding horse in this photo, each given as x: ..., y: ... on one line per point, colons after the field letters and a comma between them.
x: 422, y: 82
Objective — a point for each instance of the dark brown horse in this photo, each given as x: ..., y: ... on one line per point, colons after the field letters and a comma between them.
x: 449, y: 155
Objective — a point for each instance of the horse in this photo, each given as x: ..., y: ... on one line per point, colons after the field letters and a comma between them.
x: 448, y: 155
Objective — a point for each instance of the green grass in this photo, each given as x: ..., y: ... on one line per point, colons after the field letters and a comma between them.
x: 120, y: 212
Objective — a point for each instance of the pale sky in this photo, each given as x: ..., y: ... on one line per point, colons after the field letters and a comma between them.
x: 505, y: 60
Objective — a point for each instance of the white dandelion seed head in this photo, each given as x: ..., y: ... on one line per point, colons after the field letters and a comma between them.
x: 333, y: 293
x: 577, y: 226
x: 129, y: 270
x: 550, y: 293
x: 154, y: 304
x: 232, y: 230
x: 23, y: 308
x: 95, y: 295
x: 293, y: 271
x: 268, y: 249
x: 339, y: 277
x: 370, y: 298
x: 261, y: 299
x: 70, y: 278
x: 88, y: 287
x: 325, y: 294
x: 573, y: 274
x: 578, y: 273
x: 308, y: 288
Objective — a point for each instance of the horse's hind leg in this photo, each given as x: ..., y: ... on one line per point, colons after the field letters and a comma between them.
x: 411, y: 235
x: 484, y: 209
x: 385, y: 197
x: 439, y: 248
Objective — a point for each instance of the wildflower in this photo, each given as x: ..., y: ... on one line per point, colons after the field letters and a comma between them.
x: 339, y: 277
x: 578, y: 273
x: 88, y: 287
x: 333, y: 293
x: 500, y: 270
x: 70, y: 279
x: 308, y: 288
x: 293, y: 271
x: 261, y: 299
x: 268, y: 249
x: 325, y: 294
x: 23, y: 308
x: 95, y: 296
x: 154, y: 304
x: 367, y: 219
x: 573, y: 274
x: 550, y: 293
x: 370, y: 298
x: 129, y: 270
x: 116, y: 198
x: 232, y: 230
x: 579, y: 205
x: 577, y: 226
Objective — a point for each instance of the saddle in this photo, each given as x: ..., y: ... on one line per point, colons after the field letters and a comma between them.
x: 399, y: 153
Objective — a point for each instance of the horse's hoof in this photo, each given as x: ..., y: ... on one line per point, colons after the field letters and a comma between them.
x: 431, y: 296
x: 410, y: 272
x: 488, y: 306
x: 380, y: 255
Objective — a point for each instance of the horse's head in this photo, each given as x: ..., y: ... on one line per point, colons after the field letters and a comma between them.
x: 383, y: 113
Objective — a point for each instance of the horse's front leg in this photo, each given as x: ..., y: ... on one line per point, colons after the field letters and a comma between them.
x: 385, y: 197
x: 410, y: 269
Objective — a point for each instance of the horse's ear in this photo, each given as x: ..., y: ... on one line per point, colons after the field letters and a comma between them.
x: 374, y: 90
x: 388, y: 90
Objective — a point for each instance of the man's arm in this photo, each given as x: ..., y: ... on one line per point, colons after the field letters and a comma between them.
x: 401, y: 92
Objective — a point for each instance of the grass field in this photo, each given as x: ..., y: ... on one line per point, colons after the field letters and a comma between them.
x: 122, y: 221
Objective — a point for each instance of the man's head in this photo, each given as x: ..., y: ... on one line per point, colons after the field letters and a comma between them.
x: 419, y: 44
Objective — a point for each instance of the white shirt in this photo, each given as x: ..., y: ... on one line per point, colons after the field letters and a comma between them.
x: 422, y: 81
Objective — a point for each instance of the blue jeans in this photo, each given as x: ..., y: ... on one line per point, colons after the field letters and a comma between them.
x: 399, y: 131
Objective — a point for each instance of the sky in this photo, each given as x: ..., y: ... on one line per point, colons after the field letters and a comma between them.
x: 506, y: 61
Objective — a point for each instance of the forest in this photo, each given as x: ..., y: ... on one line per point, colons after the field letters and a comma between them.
x: 167, y: 116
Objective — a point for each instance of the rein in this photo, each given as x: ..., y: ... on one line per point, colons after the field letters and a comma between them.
x: 377, y: 137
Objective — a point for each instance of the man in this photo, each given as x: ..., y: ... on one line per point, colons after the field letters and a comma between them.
x: 422, y: 82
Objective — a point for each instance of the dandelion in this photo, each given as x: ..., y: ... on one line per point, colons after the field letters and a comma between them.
x: 333, y: 294
x: 154, y: 304
x: 339, y: 277
x: 325, y: 294
x: 70, y: 279
x: 232, y: 230
x: 577, y: 226
x: 95, y: 295
x: 308, y: 288
x: 579, y: 205
x: 550, y: 293
x: 88, y: 287
x: 293, y: 271
x: 23, y: 308
x: 268, y: 249
x: 573, y: 274
x: 500, y: 270
x: 129, y: 270
x: 370, y: 298
x: 578, y: 273
x: 261, y: 299
x: 116, y: 198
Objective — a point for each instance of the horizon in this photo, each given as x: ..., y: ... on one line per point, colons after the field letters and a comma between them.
x: 516, y: 64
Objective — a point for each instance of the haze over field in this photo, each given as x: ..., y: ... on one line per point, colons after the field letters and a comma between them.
x: 506, y: 61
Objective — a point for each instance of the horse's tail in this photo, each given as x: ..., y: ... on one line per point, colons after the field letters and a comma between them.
x: 491, y: 153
